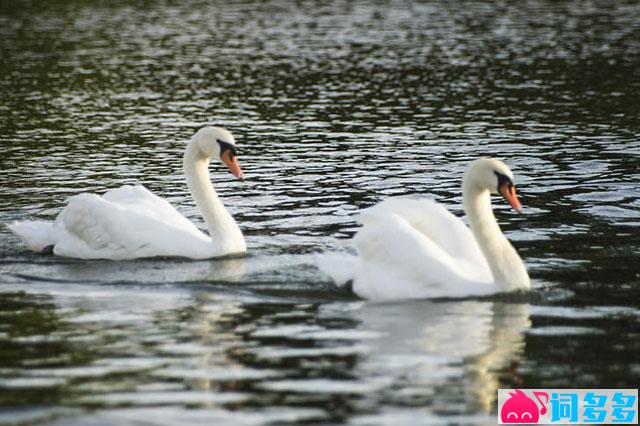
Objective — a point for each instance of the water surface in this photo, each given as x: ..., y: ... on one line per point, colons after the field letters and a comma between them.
x: 335, y: 106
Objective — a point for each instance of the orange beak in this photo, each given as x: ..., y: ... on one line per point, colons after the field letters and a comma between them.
x: 231, y: 162
x: 508, y: 191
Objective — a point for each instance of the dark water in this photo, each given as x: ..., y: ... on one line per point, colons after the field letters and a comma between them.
x: 335, y: 105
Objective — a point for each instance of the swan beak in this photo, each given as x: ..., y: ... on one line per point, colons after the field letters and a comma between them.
x: 231, y: 162
x: 508, y: 191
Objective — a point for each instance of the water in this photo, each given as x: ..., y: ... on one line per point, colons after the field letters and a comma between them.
x: 335, y: 106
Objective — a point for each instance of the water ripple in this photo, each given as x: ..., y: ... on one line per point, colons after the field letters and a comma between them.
x: 335, y: 106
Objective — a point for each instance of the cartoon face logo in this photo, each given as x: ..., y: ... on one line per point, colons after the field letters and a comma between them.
x: 519, y: 408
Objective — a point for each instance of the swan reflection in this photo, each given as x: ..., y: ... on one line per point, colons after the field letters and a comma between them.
x: 441, y: 351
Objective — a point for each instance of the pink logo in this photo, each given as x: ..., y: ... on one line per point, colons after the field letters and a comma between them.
x: 519, y: 408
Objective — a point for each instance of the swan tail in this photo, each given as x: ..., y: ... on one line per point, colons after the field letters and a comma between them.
x: 339, y: 266
x: 38, y: 235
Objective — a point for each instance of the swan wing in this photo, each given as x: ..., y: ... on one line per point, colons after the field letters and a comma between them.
x: 406, y: 253
x: 139, y: 199
x: 127, y: 223
x: 434, y: 222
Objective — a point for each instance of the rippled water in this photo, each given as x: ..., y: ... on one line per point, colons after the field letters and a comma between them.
x: 335, y: 106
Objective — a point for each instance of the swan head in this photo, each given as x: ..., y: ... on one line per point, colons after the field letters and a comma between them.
x: 216, y: 142
x: 496, y: 177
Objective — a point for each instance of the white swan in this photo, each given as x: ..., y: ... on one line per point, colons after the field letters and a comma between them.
x: 417, y: 249
x: 130, y: 222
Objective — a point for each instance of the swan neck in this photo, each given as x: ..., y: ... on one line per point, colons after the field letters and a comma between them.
x: 223, y: 230
x: 477, y: 206
x: 509, y: 272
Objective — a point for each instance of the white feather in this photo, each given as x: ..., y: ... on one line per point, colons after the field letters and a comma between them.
x: 131, y: 222
x: 412, y: 248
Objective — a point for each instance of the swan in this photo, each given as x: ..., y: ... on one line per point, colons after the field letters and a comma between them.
x: 416, y: 248
x: 131, y: 222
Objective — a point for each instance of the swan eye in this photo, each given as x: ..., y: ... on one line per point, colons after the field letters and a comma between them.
x: 514, y: 414
x: 224, y: 146
x: 503, y: 180
x: 526, y: 413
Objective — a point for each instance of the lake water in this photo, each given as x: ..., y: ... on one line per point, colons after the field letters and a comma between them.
x: 335, y: 106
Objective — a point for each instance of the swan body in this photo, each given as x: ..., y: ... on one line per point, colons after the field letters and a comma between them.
x: 131, y: 222
x: 410, y: 248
